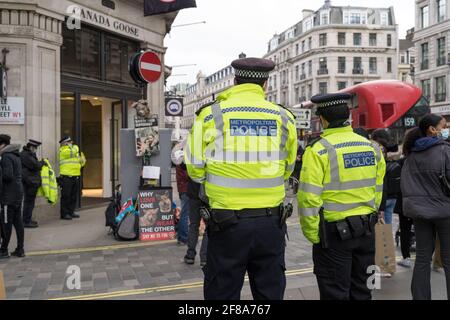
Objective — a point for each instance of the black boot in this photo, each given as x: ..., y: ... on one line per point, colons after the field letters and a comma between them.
x: 4, y: 254
x: 66, y: 217
x: 75, y: 216
x: 19, y: 253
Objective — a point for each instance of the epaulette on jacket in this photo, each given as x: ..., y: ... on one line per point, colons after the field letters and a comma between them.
x: 280, y: 105
x: 205, y: 106
x: 313, y: 142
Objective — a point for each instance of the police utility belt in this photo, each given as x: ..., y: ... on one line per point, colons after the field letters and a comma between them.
x: 351, y: 227
x: 219, y: 219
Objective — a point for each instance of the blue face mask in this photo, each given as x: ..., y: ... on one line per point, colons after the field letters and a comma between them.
x: 445, y: 134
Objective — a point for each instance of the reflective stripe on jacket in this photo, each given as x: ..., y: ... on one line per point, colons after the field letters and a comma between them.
x: 242, y: 148
x: 49, y: 187
x: 70, y: 161
x: 342, y: 173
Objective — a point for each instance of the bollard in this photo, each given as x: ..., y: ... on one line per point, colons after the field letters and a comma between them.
x: 2, y: 287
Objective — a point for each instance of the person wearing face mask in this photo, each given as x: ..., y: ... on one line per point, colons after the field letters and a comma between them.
x: 71, y: 161
x: 11, y: 197
x: 424, y: 199
x: 31, y: 177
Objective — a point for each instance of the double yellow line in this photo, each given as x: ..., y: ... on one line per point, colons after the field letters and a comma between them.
x: 137, y: 292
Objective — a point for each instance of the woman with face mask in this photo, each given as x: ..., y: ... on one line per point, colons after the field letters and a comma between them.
x: 424, y: 199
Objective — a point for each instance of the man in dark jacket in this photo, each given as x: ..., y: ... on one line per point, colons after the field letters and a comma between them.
x: 11, y: 197
x: 31, y: 176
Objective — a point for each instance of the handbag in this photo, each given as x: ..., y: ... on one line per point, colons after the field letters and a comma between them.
x: 445, y: 184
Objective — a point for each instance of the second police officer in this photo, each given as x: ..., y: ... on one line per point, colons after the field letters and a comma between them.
x: 340, y: 192
x: 243, y: 148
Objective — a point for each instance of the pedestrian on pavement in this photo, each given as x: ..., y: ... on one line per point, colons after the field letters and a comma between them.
x: 31, y: 177
x: 340, y: 194
x: 405, y: 223
x: 182, y: 183
x: 391, y: 186
x: 424, y: 198
x: 196, y: 205
x: 243, y: 148
x: 71, y: 161
x: 11, y: 197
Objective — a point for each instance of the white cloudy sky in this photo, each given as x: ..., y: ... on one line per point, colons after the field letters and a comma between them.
x: 235, y: 26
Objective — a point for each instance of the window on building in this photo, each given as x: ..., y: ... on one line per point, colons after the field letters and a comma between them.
x: 297, y: 49
x: 341, y: 38
x: 297, y: 71
x: 441, y: 90
x: 309, y: 43
x: 426, y: 88
x: 425, y: 16
x: 308, y: 24
x: 309, y: 91
x: 355, y: 18
x: 324, y: 18
x: 323, y: 69
x: 303, y: 46
x: 341, y: 65
x: 384, y: 19
x: 389, y: 40
x: 441, y: 52
x: 373, y: 39
x: 117, y: 55
x: 389, y: 65
x: 402, y: 59
x: 424, y: 56
x: 297, y: 94
x: 323, y: 87
x: 303, y: 70
x: 341, y: 85
x: 441, y: 9
x: 357, y: 65
x: 303, y: 94
x: 373, y: 65
x: 357, y: 39
x: 323, y: 39
x: 310, y: 68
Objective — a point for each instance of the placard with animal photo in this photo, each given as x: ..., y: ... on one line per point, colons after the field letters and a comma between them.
x: 147, y: 140
x: 156, y: 215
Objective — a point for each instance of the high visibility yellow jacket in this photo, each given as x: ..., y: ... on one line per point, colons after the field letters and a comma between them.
x: 242, y: 148
x: 342, y: 173
x: 49, y: 187
x: 71, y: 161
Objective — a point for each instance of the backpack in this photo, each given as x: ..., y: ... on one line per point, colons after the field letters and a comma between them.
x: 110, y: 216
x: 128, y: 228
x: 393, y: 178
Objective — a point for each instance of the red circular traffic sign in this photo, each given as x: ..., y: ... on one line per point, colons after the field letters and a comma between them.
x: 150, y: 67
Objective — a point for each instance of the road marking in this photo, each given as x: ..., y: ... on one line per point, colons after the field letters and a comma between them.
x: 137, y: 292
x: 113, y: 247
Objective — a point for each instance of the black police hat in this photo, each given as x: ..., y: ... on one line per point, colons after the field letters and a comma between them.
x: 65, y: 139
x: 253, y: 68
x: 331, y: 99
x: 34, y: 143
x: 5, y: 139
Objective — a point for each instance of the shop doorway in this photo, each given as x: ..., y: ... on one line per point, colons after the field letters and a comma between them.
x: 95, y: 123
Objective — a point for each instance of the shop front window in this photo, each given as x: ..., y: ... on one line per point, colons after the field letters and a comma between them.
x: 68, y: 115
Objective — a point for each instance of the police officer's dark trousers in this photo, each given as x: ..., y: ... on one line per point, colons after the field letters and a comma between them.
x: 28, y: 203
x: 69, y: 194
x: 10, y: 216
x: 253, y: 245
x: 342, y: 270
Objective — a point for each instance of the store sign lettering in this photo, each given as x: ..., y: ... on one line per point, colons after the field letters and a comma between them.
x: 104, y: 21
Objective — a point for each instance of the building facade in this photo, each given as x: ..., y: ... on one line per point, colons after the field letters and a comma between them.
x: 407, y: 58
x: 204, y: 91
x: 432, y: 72
x: 331, y: 49
x: 68, y: 75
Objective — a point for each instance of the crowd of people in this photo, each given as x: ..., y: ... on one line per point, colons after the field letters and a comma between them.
x: 21, y: 178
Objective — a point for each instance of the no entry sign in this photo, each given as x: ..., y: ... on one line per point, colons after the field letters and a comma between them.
x: 149, y: 67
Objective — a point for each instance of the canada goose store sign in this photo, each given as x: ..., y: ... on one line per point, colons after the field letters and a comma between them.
x: 104, y: 21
